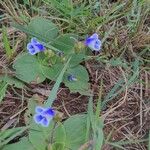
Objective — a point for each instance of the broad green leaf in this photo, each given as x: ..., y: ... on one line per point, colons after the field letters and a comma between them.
x: 3, y: 88
x: 81, y: 85
x: 52, y: 72
x: 23, y: 144
x: 32, y: 103
x: 58, y: 146
x: 28, y: 69
x: 75, y: 128
x: 60, y: 134
x: 39, y: 134
x: 76, y: 59
x: 53, y: 93
x: 41, y: 28
x: 12, y: 81
x: 65, y: 43
x: 38, y: 140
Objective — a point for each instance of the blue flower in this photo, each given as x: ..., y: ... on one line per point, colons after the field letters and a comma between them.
x: 34, y: 46
x: 93, y: 42
x: 43, y: 116
x: 72, y: 78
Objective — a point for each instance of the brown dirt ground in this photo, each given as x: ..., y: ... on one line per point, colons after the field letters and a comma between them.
x: 131, y: 120
x: 127, y: 116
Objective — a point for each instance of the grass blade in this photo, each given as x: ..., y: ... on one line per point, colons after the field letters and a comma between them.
x: 13, y: 136
x: 8, y: 50
x: 3, y: 87
x: 53, y: 93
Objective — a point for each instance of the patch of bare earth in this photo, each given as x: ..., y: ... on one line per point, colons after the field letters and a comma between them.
x: 127, y: 116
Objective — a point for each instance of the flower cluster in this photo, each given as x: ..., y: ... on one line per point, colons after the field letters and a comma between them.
x: 43, y: 116
x: 35, y: 47
x: 93, y: 42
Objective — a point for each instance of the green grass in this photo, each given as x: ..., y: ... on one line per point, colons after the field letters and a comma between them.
x: 123, y: 29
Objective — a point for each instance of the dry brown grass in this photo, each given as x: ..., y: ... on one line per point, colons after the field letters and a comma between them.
x: 126, y: 117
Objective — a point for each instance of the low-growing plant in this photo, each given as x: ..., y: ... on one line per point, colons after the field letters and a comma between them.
x: 46, y: 130
x: 50, y: 55
x: 52, y: 51
x: 58, y: 52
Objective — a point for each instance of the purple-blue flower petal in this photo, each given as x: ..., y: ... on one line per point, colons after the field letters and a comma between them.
x: 93, y: 42
x: 38, y: 118
x: 40, y: 47
x: 97, y: 45
x: 30, y: 46
x: 94, y: 36
x: 49, y: 112
x: 34, y: 41
x: 31, y: 49
x: 88, y: 41
x: 43, y: 116
x: 35, y: 47
x: 39, y: 109
x: 45, y: 122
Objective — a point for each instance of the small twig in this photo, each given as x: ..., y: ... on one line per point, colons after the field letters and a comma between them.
x: 63, y: 104
x: 17, y: 113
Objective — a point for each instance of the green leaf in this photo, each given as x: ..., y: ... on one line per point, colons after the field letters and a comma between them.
x: 58, y: 146
x: 96, y: 125
x: 52, y: 72
x: 75, y: 128
x: 41, y: 28
x: 23, y: 144
x: 8, y: 133
x: 37, y: 139
x: 91, y: 113
x: 12, y: 81
x: 53, y: 93
x: 8, y: 50
x: 28, y: 69
x: 3, y: 88
x: 81, y: 85
x: 60, y: 134
x: 65, y: 43
x: 118, y: 62
x: 76, y: 59
x: 11, y: 137
x: 32, y: 103
x: 99, y: 138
